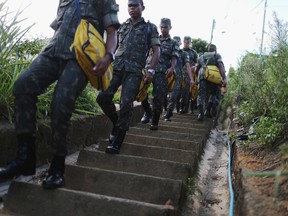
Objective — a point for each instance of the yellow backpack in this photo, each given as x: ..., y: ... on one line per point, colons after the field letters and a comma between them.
x: 212, y: 74
x: 89, y: 46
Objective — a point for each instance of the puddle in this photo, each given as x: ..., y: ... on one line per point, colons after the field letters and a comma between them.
x: 211, y: 196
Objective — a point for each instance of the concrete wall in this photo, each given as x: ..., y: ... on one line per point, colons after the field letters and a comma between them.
x: 84, y: 131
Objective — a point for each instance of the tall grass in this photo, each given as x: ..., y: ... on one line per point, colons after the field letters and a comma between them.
x: 10, y: 62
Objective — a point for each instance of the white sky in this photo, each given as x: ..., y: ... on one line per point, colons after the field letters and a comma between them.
x: 238, y: 22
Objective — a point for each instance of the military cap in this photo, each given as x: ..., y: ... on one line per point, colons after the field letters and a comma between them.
x: 135, y: 2
x: 177, y: 38
x: 187, y: 39
x: 165, y: 22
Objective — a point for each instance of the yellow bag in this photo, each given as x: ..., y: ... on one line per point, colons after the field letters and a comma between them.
x: 170, y: 82
x: 89, y: 46
x: 143, y: 89
x: 212, y: 74
x: 194, y: 92
x: 183, y: 82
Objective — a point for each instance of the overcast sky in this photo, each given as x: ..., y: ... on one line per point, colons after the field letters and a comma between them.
x: 238, y: 22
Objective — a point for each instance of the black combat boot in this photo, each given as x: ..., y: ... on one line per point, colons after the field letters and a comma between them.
x: 183, y: 108
x: 25, y: 162
x: 192, y: 106
x: 168, y: 115
x: 146, y: 117
x: 114, y: 131
x: 55, y: 178
x: 155, y: 121
x: 207, y: 112
x: 114, y: 148
x: 148, y: 112
x: 201, y: 113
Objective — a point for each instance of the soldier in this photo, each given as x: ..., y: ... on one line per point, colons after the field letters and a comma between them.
x: 136, y: 37
x: 57, y: 63
x: 206, y: 88
x: 187, y: 75
x: 164, y: 69
x: 182, y: 61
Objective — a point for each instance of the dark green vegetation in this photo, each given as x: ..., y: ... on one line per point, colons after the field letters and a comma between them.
x: 258, y: 89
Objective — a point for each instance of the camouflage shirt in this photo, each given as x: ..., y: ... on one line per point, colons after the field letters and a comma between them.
x: 203, y: 59
x: 169, y: 48
x: 133, y: 44
x: 101, y: 13
x: 193, y: 58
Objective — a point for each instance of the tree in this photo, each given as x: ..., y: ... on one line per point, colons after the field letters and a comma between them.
x: 199, y: 45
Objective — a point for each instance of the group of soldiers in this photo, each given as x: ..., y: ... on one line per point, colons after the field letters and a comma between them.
x: 132, y: 40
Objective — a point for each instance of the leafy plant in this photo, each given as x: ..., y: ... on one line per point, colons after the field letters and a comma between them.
x: 258, y: 88
x: 268, y: 130
x: 11, y: 63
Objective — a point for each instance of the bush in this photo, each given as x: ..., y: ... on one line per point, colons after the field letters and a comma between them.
x: 259, y: 88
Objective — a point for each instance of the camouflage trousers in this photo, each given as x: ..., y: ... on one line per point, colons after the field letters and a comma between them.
x: 159, y: 92
x: 130, y: 85
x: 208, y: 92
x: 174, y: 95
x: 43, y: 72
x: 185, y: 91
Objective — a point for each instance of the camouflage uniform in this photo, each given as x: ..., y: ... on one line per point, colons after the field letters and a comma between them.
x: 206, y: 88
x: 185, y: 95
x: 130, y: 58
x: 169, y: 48
x: 57, y: 63
x: 175, y: 94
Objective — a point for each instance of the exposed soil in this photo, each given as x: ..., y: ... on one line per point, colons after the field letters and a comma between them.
x: 253, y: 195
x: 261, y: 196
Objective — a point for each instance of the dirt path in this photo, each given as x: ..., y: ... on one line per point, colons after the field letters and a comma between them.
x: 211, y: 195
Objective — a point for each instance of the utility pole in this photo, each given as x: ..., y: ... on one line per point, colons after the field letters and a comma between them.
x: 263, y: 28
x: 213, y: 26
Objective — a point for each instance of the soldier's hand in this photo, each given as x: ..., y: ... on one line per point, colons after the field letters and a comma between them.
x: 148, y: 77
x: 169, y: 72
x: 192, y: 83
x: 102, y: 65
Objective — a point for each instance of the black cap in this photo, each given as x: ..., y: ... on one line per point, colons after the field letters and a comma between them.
x: 187, y: 39
x: 165, y: 22
x: 135, y: 2
x: 177, y: 38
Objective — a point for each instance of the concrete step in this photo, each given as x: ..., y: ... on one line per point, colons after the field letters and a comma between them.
x: 166, y: 134
x: 131, y: 186
x: 179, y: 123
x: 176, y: 128
x: 163, y: 142
x: 27, y: 199
x: 155, y: 152
x: 187, y: 118
x: 148, y: 177
x: 135, y: 164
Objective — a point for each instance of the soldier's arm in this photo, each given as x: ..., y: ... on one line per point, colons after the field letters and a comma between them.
x: 154, y: 60
x: 102, y: 65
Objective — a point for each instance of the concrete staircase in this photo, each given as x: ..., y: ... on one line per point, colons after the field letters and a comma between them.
x: 148, y: 177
